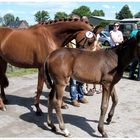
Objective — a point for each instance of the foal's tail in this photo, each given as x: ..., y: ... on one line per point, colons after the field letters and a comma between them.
x: 48, y: 80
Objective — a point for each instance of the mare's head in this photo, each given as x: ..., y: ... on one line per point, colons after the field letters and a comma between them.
x: 62, y: 31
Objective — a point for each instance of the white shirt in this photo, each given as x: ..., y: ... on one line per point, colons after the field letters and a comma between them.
x: 116, y: 37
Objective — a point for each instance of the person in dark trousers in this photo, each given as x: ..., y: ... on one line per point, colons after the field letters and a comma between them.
x: 135, y: 63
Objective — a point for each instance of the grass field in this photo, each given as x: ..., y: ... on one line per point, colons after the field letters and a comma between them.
x: 20, y: 72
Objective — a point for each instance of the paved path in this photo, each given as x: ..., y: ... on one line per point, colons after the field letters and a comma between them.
x: 20, y: 120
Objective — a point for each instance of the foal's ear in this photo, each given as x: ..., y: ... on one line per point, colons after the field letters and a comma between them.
x: 138, y: 35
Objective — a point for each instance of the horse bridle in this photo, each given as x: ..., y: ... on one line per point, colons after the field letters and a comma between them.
x: 88, y: 35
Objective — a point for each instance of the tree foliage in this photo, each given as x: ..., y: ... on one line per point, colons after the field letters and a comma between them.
x: 82, y: 11
x: 137, y: 15
x: 60, y: 15
x: 42, y: 16
x: 124, y: 13
x: 98, y: 13
x: 1, y: 20
x: 8, y: 18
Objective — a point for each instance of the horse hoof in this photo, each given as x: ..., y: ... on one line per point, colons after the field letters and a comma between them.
x: 3, y: 108
x: 66, y: 133
x: 64, y: 106
x: 108, y: 120
x: 54, y: 129
x: 105, y: 135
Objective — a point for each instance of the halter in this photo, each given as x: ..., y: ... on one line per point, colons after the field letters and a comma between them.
x: 88, y: 35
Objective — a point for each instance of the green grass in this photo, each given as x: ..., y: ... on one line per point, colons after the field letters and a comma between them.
x: 21, y: 72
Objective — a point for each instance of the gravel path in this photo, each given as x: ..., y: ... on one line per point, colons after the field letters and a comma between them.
x: 20, y: 120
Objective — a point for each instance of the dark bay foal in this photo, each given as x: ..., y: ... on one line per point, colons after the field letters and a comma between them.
x: 103, y: 67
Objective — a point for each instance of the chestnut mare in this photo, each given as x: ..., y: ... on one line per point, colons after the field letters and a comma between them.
x: 103, y: 67
x: 28, y: 48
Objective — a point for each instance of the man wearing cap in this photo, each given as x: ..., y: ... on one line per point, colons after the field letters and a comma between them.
x: 116, y: 35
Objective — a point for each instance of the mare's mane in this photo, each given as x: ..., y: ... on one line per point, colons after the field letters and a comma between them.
x: 57, y: 21
x: 64, y: 20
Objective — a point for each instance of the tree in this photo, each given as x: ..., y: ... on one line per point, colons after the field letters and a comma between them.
x: 82, y: 11
x: 8, y: 18
x: 42, y: 16
x: 137, y: 15
x: 124, y: 13
x: 60, y: 15
x: 17, y: 19
x: 1, y: 20
x: 98, y: 13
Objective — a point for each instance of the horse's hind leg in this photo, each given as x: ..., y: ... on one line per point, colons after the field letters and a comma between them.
x: 114, y: 103
x: 39, y: 91
x: 3, y: 79
x: 59, y: 97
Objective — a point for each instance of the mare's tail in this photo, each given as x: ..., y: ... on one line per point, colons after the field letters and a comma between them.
x: 48, y: 80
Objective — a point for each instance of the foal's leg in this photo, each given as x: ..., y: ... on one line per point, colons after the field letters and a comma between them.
x: 51, y: 102
x: 114, y: 103
x: 104, y: 106
x: 39, y: 90
x: 59, y: 99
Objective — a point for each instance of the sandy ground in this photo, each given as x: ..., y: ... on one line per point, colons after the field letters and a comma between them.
x: 20, y: 120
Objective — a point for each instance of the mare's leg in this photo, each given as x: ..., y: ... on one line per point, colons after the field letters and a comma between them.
x: 39, y: 90
x: 104, y: 106
x: 3, y: 79
x: 114, y: 103
x: 59, y: 98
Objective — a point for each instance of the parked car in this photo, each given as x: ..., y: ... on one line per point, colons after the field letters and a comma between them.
x: 104, y: 38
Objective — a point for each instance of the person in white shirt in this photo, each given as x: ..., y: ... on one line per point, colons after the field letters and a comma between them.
x: 116, y: 35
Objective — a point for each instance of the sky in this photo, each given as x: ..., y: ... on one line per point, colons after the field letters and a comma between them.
x: 26, y: 10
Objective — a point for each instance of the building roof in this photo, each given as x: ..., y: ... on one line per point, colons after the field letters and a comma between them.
x: 16, y: 24
x: 104, y: 18
x: 131, y: 19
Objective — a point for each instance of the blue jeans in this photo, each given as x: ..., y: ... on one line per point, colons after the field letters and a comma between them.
x: 76, y: 90
x: 133, y: 69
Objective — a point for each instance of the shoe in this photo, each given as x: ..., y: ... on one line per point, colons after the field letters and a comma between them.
x: 90, y: 92
x: 138, y: 79
x: 132, y: 78
x: 75, y: 103
x: 83, y: 100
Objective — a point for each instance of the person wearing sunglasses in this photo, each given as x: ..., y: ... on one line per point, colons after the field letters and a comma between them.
x: 116, y: 35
